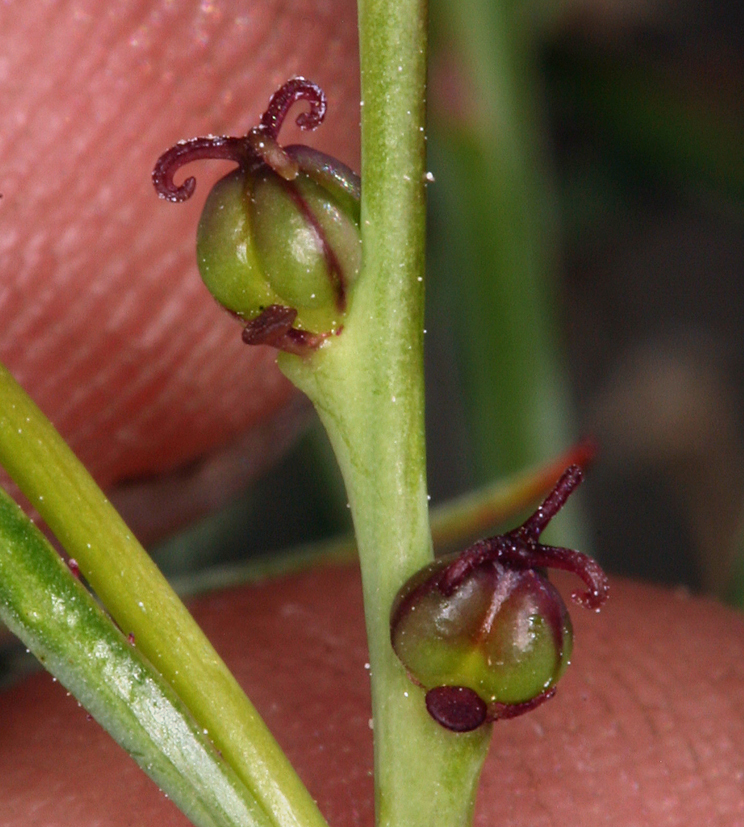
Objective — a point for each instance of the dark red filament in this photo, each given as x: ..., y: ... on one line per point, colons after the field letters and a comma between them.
x: 240, y: 150
x: 295, y: 89
x: 184, y: 152
x: 520, y: 549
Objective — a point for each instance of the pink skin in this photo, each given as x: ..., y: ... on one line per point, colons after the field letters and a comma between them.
x: 106, y: 323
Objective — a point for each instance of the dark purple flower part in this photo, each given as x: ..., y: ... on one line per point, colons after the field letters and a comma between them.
x: 258, y: 147
x: 520, y: 549
x: 456, y: 707
x: 274, y: 328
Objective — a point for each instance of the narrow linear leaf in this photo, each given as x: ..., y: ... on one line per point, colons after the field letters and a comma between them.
x: 141, y: 601
x: 59, y: 621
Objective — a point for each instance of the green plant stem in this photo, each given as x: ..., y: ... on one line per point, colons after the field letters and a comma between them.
x: 367, y: 386
x: 59, y: 621
x: 140, y: 600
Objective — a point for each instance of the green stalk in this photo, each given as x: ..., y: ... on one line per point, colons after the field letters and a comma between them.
x: 140, y: 600
x: 59, y: 621
x: 367, y: 386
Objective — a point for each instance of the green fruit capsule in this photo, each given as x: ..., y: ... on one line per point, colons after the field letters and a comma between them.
x: 484, y: 632
x: 504, y: 634
x: 263, y: 240
x: 279, y: 242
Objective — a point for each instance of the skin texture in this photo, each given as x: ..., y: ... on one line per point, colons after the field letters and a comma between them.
x: 647, y: 726
x: 141, y: 372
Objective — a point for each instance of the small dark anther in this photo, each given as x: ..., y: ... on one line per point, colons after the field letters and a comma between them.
x: 456, y: 708
x: 274, y: 327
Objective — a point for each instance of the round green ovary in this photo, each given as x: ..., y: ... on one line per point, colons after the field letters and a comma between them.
x: 226, y: 251
x: 265, y: 241
x: 340, y: 229
x: 291, y: 253
x: 497, y: 673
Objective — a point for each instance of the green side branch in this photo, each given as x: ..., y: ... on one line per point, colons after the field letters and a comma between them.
x: 138, y: 597
x: 454, y: 524
x: 59, y: 621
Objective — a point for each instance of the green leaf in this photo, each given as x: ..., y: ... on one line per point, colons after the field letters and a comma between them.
x: 59, y: 621
x: 141, y: 601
